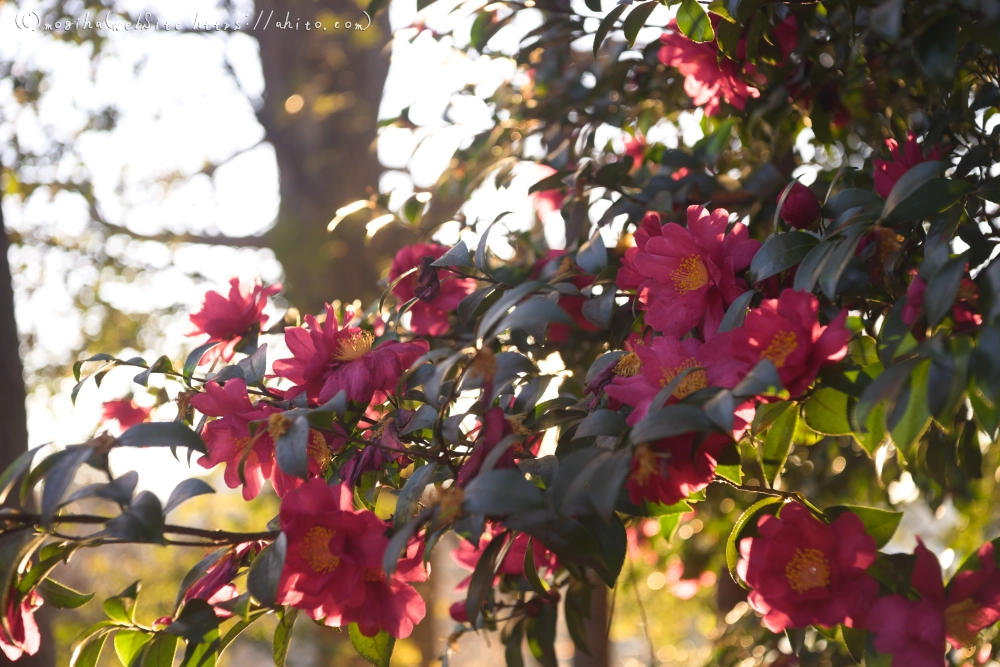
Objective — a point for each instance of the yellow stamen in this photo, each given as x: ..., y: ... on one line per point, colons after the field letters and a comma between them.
x: 373, y: 574
x: 450, y: 501
x: 782, y: 345
x: 960, y: 618
x: 808, y: 569
x: 628, y: 366
x: 691, y: 383
x: 318, y: 450
x: 277, y: 425
x: 690, y: 275
x: 647, y: 465
x: 315, y: 550
x: 355, y: 346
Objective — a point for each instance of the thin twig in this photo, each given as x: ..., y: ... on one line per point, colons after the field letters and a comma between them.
x: 642, y: 612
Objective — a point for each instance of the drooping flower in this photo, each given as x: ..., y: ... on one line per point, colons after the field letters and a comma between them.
x: 125, y: 412
x: 801, y: 207
x: 669, y: 470
x: 787, y: 331
x: 227, y: 319
x: 546, y: 202
x: 216, y: 585
x: 390, y: 603
x: 709, y: 78
x: 24, y: 635
x: 429, y: 315
x: 386, y: 448
x: 228, y: 438
x: 636, y: 148
x: 803, y: 571
x: 914, y: 631
x: 467, y: 556
x: 887, y: 172
x: 327, y: 359
x: 650, y: 368
x: 686, y: 277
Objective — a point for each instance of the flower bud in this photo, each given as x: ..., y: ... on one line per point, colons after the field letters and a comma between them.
x: 801, y: 207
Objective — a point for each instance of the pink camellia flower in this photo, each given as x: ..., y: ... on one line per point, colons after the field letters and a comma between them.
x: 801, y: 207
x: 333, y: 564
x: 467, y: 556
x: 24, y: 635
x: 963, y: 311
x: 642, y: 373
x: 217, y: 584
x: 391, y: 604
x: 636, y: 147
x: 806, y: 572
x: 787, y: 331
x: 914, y: 631
x: 228, y: 437
x: 709, y: 78
x: 685, y: 278
x: 685, y: 589
x: 669, y: 470
x: 386, y: 448
x: 227, y: 319
x: 546, y: 202
x: 327, y: 358
x: 887, y: 173
x: 429, y: 315
x: 125, y: 412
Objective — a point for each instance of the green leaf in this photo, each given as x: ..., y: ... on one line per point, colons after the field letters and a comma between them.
x: 87, y: 652
x: 265, y: 572
x: 910, y: 183
x: 576, y: 610
x: 60, y: 476
x: 121, y: 608
x: 283, y: 636
x: 933, y: 196
x: 161, y: 365
x: 743, y: 524
x: 160, y: 652
x: 943, y: 288
x: 838, y: 260
x: 592, y: 256
x: 850, y: 198
x: 990, y: 190
x: 15, y: 470
x: 540, y: 632
x: 186, y: 490
x: 778, y: 442
x: 762, y: 380
x: 607, y: 23
x: 936, y: 50
x: 142, y: 520
x: 780, y: 253
x: 500, y: 492
x: 729, y: 465
x: 537, y: 312
x: 456, y: 256
x: 911, y: 416
x: 636, y: 19
x: 162, y: 434
x: 826, y: 412
x: 377, y: 650
x: 512, y: 647
x: 729, y: 34
x: 291, y: 451
x: 196, y: 621
x: 737, y: 312
x: 61, y: 596
x: 481, y: 581
x: 255, y: 366
x: 855, y: 641
x: 408, y: 500
x: 601, y: 422
x: 531, y: 570
x: 880, y: 524
x: 694, y: 22
x: 129, y: 644
x: 193, y: 359
x: 670, y: 421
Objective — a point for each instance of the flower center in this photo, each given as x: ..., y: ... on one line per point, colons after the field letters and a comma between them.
x: 241, y: 444
x: 355, y: 346
x: 318, y: 450
x: 646, y: 465
x: 691, y: 383
x: 690, y: 275
x: 315, y: 550
x: 628, y: 365
x: 808, y: 569
x: 373, y: 574
x: 277, y: 425
x: 961, y: 620
x: 782, y: 345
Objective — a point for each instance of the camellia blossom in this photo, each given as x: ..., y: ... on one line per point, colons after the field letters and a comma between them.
x: 686, y: 278
x: 787, y: 331
x: 467, y: 556
x: 228, y: 437
x: 227, y: 319
x: 428, y: 316
x: 803, y: 571
x: 327, y: 358
x: 801, y: 208
x: 914, y: 631
x: 709, y: 78
x: 546, y: 202
x: 386, y: 448
x: 643, y: 372
x: 495, y: 427
x: 669, y: 470
x: 887, y: 172
x: 963, y: 311
x: 636, y: 148
x: 24, y: 635
x: 391, y: 603
x: 216, y: 585
x: 125, y: 412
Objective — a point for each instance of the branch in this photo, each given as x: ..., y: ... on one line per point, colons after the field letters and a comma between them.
x: 216, y: 537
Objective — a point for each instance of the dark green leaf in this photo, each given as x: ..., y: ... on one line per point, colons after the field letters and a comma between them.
x: 990, y: 190
x: 265, y: 572
x: 780, y: 253
x: 812, y: 265
x: 142, y: 521
x: 456, y: 256
x: 826, y: 412
x: 283, y: 636
x: 762, y: 380
x: 481, y: 581
x: 193, y: 359
x: 670, y: 421
x: 942, y: 289
x: 879, y: 523
x: 255, y: 366
x: 607, y: 23
x: 500, y: 492
x: 729, y: 34
x: 15, y: 470
x: 160, y: 652
x: 540, y: 632
x: 512, y: 647
x: 161, y: 365
x: 60, y: 477
x: 291, y: 451
x: 838, y: 260
x: 200, y: 569
x: 377, y: 650
x: 911, y: 182
x: 737, y: 312
x: 933, y: 196
x: 778, y: 442
x: 848, y: 199
x: 189, y: 488
x: 119, y: 490
x: 162, y: 434
x: 408, y: 500
x: 533, y: 312
x: 599, y: 309
x: 601, y: 422
x: 635, y: 20
x: 196, y: 620
x: 61, y: 596
x: 741, y: 525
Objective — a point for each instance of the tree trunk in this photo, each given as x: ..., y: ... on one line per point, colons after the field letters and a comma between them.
x: 325, y: 148
x: 14, y: 418
x: 596, y: 628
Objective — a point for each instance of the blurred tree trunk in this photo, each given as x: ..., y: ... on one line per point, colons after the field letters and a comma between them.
x: 325, y: 147
x: 14, y: 418
x: 596, y: 627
